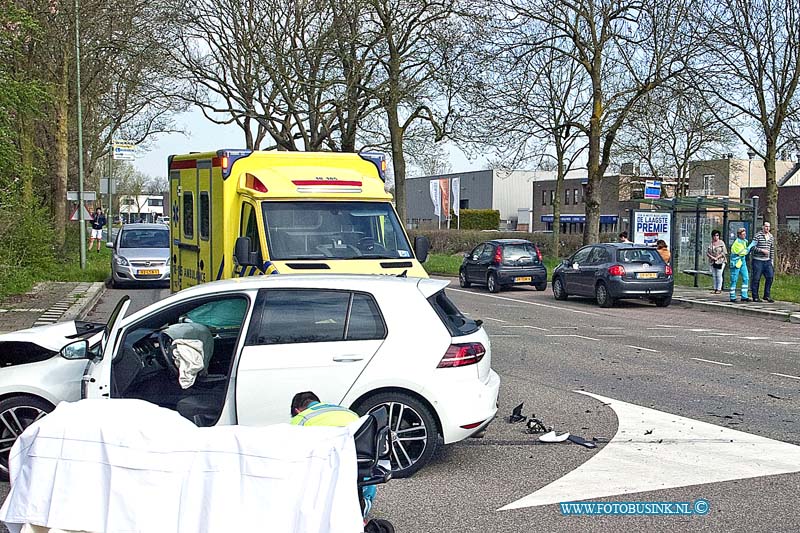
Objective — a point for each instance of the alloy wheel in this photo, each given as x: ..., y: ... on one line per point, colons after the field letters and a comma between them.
x: 408, y: 434
x: 13, y: 422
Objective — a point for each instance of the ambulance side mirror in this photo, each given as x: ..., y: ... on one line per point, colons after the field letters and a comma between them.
x: 421, y: 247
x: 243, y: 254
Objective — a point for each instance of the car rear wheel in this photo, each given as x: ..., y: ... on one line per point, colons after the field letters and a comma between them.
x: 558, y: 289
x: 491, y: 282
x: 16, y: 414
x: 603, y: 297
x: 414, y: 430
x: 462, y: 279
x: 541, y: 286
x: 663, y: 301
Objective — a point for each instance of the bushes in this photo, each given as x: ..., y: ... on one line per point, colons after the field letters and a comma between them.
x: 477, y: 219
x: 459, y: 241
x: 788, y: 260
x: 27, y: 249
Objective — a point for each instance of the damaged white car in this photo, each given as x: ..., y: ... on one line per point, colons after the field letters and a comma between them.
x: 34, y: 379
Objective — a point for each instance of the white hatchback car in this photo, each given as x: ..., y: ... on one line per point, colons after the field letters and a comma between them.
x: 359, y: 341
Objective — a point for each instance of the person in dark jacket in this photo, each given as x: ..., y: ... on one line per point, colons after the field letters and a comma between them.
x: 98, y: 222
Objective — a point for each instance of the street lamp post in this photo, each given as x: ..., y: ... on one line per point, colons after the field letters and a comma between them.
x: 751, y: 154
x: 81, y: 208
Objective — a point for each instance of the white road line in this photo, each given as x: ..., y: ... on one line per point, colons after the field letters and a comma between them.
x: 707, y: 337
x: 502, y: 335
x: 666, y: 326
x: 699, y: 330
x: 718, y: 334
x: 610, y: 327
x: 495, y: 320
x: 785, y: 343
x: 609, y: 334
x: 785, y: 375
x: 565, y: 327
x: 640, y: 348
x: 756, y: 338
x: 573, y: 335
x: 529, y: 327
x: 526, y: 302
x: 710, y: 361
x: 661, y: 336
x: 654, y: 450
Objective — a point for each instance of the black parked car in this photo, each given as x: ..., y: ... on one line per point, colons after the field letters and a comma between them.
x: 504, y: 262
x: 609, y: 272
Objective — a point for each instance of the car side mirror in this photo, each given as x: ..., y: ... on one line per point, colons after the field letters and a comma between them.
x: 421, y: 247
x: 244, y: 255
x: 110, y: 245
x: 76, y: 350
x: 466, y: 255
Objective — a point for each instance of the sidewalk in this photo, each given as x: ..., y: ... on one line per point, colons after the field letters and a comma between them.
x: 704, y: 298
x: 47, y: 303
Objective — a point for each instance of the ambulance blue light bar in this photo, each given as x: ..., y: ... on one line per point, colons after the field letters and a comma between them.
x: 378, y: 159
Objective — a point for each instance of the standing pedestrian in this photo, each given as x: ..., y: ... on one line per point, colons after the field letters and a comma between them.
x: 717, y: 253
x: 98, y: 221
x: 623, y: 237
x: 763, y: 263
x: 663, y: 251
x: 739, y: 251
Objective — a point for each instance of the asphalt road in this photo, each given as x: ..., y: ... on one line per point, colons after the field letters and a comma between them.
x: 684, y: 362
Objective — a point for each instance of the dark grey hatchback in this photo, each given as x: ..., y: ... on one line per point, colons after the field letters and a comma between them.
x: 504, y: 262
x: 609, y: 272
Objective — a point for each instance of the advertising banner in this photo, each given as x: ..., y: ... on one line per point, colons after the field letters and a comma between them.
x: 455, y: 184
x: 444, y: 186
x: 436, y: 198
x: 650, y: 226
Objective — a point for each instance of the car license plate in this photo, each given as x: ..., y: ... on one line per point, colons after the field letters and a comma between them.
x: 646, y: 275
x: 147, y: 272
x: 525, y: 279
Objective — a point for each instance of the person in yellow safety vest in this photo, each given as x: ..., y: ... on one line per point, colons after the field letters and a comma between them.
x: 307, y: 410
x: 739, y: 251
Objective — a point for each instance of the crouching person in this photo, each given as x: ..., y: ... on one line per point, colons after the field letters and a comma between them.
x: 307, y: 410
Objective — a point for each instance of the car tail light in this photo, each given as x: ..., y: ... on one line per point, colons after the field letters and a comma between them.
x: 498, y: 255
x: 668, y: 270
x: 616, y: 270
x: 473, y: 425
x: 462, y: 355
x: 539, y: 254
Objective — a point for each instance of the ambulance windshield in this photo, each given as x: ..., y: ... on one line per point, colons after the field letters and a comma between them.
x: 334, y: 230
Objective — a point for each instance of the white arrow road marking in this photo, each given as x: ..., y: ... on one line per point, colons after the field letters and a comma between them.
x: 690, y: 453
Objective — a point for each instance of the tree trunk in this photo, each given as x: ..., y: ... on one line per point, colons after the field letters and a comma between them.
x: 27, y: 148
x: 398, y: 160
x: 591, y: 228
x: 557, y: 200
x: 771, y: 206
x: 60, y: 155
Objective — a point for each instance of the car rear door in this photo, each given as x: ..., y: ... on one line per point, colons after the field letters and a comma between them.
x: 304, y: 340
x: 589, y: 270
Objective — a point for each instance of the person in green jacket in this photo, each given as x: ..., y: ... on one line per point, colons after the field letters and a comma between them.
x: 739, y: 250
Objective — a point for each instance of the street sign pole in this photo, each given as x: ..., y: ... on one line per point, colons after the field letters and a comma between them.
x: 82, y: 219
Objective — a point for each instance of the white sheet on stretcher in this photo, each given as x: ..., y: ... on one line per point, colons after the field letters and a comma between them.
x: 130, y: 466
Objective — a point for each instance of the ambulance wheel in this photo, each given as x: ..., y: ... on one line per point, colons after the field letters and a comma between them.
x: 16, y: 414
x: 414, y: 430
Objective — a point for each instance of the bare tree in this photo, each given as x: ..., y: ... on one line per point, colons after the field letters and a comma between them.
x: 626, y: 48
x: 753, y: 67
x: 670, y: 127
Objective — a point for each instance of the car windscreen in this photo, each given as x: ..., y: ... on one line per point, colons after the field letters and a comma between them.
x: 144, y: 238
x: 520, y: 253
x: 457, y: 324
x: 639, y: 255
x: 334, y: 230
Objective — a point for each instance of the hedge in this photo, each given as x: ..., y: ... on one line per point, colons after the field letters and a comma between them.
x: 477, y: 219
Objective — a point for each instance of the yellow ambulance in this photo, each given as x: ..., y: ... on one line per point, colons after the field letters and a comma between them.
x: 241, y: 213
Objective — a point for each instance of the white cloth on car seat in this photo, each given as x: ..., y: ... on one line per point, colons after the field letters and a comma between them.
x: 188, y: 357
x: 123, y: 465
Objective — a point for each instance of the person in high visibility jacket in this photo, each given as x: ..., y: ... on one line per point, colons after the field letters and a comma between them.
x: 307, y: 410
x: 739, y: 250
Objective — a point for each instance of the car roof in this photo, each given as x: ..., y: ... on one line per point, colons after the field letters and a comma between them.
x: 624, y: 245
x: 509, y: 241
x: 143, y: 225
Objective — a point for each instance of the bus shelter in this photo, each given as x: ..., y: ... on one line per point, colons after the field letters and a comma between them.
x: 692, y: 221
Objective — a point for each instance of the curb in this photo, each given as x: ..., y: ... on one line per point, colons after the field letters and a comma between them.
x: 85, y: 303
x: 740, y: 309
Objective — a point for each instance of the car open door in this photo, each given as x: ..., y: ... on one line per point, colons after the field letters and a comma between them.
x: 304, y: 340
x: 96, y: 381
